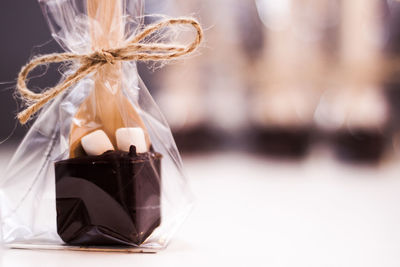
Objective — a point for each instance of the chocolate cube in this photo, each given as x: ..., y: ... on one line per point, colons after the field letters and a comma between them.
x: 111, y: 199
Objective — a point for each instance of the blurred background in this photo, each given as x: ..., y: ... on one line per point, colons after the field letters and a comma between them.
x: 288, y: 121
x: 273, y: 78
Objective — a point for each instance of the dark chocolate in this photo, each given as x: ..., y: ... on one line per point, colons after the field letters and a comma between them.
x: 200, y: 138
x: 111, y: 199
x: 359, y: 145
x: 282, y: 142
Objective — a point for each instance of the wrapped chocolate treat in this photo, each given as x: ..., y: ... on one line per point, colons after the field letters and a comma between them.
x: 99, y: 166
x: 353, y: 113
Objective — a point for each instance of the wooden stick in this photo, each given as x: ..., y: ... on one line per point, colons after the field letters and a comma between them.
x: 106, y: 107
x: 358, y: 52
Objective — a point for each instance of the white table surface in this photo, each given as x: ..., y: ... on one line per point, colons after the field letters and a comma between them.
x: 256, y: 212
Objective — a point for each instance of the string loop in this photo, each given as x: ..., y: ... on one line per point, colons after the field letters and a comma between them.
x: 89, y: 63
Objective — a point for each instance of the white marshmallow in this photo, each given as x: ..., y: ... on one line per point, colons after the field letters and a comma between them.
x: 96, y: 143
x: 131, y: 136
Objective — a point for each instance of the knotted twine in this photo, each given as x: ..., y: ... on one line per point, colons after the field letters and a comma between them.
x: 89, y: 63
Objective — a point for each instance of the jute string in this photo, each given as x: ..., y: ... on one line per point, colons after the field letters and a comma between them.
x: 89, y: 63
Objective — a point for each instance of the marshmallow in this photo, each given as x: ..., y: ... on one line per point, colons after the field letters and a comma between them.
x: 96, y: 143
x: 131, y: 136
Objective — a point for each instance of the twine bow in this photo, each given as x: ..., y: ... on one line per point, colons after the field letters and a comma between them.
x: 132, y: 50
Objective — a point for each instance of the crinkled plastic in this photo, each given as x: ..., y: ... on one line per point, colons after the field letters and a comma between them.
x: 47, y: 197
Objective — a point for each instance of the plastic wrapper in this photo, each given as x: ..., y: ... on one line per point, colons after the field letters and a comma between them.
x: 56, y: 192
